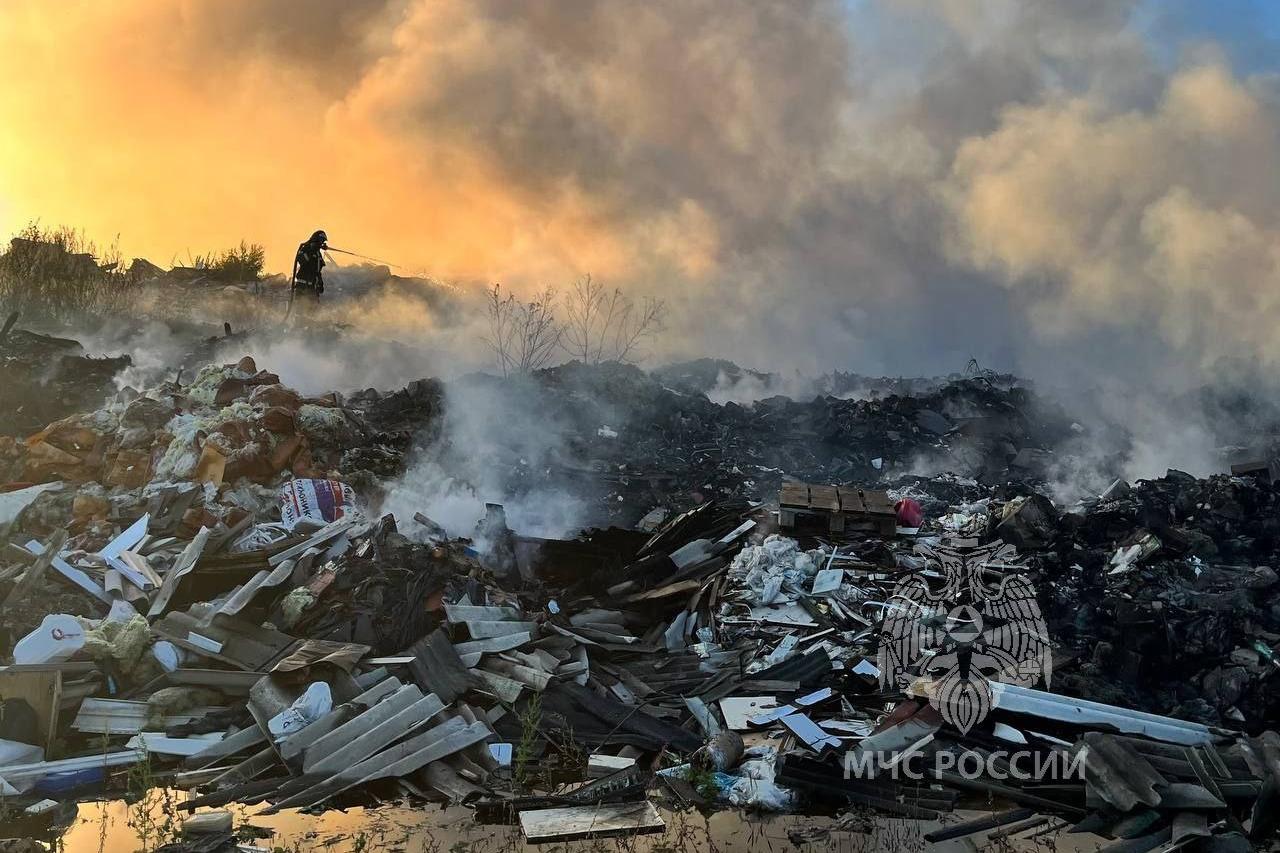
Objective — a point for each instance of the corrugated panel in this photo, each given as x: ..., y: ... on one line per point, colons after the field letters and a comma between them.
x: 438, y: 668
x: 120, y: 717
x: 1117, y: 775
x: 615, y: 722
x: 245, y: 594
x: 245, y: 646
x: 1081, y: 712
x: 810, y: 669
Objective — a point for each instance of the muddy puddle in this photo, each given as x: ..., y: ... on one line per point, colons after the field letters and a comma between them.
x: 114, y: 825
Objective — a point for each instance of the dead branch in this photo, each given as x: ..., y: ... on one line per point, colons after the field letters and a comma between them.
x: 607, y: 325
x: 522, y: 335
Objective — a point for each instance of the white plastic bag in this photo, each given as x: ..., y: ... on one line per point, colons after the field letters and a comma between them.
x: 755, y: 788
x: 313, y: 704
x: 760, y: 794
x: 259, y: 536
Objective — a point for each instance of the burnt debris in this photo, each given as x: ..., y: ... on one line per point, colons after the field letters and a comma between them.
x: 769, y: 609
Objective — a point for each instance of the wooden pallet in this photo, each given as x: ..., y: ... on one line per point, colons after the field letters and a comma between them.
x: 841, y: 508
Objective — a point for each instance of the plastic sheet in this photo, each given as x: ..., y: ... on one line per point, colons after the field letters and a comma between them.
x: 754, y: 786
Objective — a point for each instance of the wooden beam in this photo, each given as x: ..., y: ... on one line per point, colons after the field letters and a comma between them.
x: 31, y: 577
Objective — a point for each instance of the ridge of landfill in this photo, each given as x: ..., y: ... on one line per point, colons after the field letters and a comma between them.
x: 193, y: 574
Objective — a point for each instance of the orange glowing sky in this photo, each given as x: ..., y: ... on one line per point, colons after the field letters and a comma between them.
x: 811, y: 183
x: 176, y: 128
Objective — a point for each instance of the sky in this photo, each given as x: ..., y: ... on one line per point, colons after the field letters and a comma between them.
x: 1064, y: 189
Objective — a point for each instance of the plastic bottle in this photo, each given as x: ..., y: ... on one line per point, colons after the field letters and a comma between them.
x: 58, y: 638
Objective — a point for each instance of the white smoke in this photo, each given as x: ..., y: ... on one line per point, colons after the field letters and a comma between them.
x: 492, y: 429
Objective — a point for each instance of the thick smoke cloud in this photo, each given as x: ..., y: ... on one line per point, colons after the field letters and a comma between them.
x: 887, y: 185
x: 1165, y: 219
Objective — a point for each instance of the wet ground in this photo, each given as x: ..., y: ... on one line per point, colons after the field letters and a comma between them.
x: 108, y: 827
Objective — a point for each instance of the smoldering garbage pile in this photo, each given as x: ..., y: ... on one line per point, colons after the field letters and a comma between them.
x: 195, y: 577
x: 633, y: 443
x: 46, y: 377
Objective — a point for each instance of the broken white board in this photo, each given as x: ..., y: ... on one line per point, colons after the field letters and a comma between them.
x: 76, y: 576
x: 866, y: 667
x: 827, y: 581
x: 502, y: 753
x: 1004, y: 731
x: 783, y: 650
x: 778, y: 713
x: 598, y: 821
x: 809, y: 732
x: 112, y: 550
x: 788, y: 614
x: 849, y: 728
x: 738, y: 710
x: 161, y: 744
